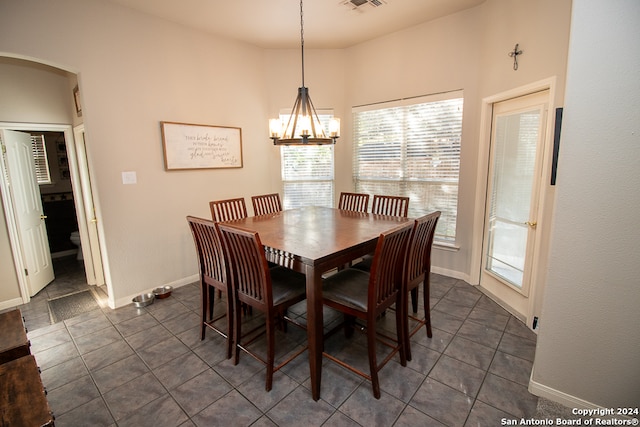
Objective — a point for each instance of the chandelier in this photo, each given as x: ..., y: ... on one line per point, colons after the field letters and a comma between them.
x: 303, y: 126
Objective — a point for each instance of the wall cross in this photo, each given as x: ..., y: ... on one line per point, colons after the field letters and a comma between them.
x: 514, y: 54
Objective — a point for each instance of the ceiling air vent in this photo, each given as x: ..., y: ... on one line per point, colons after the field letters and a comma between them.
x: 355, y: 4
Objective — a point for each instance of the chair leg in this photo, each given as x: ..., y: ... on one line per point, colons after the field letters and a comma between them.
x: 414, y: 299
x: 373, y: 363
x: 203, y: 311
x: 270, y: 351
x: 237, y: 332
x: 427, y: 308
x: 230, y: 328
x: 401, y: 319
x: 406, y: 336
x: 348, y: 325
x: 212, y: 297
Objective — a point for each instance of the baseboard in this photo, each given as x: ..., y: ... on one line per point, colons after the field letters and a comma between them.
x: 450, y: 273
x: 560, y: 397
x: 64, y: 253
x: 121, y: 302
x: 11, y: 303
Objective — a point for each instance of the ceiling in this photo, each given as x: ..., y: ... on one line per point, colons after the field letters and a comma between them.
x: 276, y: 23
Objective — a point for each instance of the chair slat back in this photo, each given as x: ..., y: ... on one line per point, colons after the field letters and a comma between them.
x: 386, y: 268
x: 266, y: 204
x: 353, y: 202
x: 249, y: 268
x: 418, y: 259
x: 228, y: 210
x: 390, y: 205
x: 211, y: 260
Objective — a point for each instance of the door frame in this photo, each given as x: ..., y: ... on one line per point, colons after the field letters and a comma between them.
x: 545, y: 206
x: 85, y: 208
x: 14, y: 241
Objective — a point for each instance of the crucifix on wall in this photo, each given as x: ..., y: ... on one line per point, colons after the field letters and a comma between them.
x: 514, y: 54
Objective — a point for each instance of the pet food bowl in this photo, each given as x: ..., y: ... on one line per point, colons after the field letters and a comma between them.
x: 163, y: 292
x: 143, y: 300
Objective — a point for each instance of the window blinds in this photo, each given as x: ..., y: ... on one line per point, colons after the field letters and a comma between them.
x: 40, y: 158
x: 412, y: 148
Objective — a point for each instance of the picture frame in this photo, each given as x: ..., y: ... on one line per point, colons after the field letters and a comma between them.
x: 197, y: 146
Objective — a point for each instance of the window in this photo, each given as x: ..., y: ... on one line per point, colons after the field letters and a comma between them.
x: 40, y: 158
x: 412, y: 148
x: 307, y: 171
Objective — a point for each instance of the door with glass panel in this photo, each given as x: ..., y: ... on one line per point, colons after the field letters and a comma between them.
x: 513, y: 189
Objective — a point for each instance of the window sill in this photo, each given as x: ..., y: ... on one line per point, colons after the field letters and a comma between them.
x: 451, y: 247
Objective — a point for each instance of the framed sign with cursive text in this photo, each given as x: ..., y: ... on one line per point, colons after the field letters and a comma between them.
x: 190, y: 146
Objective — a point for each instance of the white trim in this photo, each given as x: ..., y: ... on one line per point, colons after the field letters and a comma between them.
x: 64, y: 253
x: 450, y: 273
x: 560, y: 397
x: 482, y: 177
x: 14, y: 241
x: 10, y: 303
x: 422, y: 99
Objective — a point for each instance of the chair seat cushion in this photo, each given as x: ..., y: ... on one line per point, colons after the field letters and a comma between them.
x: 348, y: 287
x: 287, y: 285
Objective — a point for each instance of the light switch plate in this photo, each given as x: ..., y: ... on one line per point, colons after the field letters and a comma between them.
x: 129, y: 177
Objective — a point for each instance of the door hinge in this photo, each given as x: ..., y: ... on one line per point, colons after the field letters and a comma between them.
x: 535, y: 322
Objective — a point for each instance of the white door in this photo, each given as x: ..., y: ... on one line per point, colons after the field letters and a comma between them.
x: 513, y: 190
x: 87, y: 221
x: 29, y: 215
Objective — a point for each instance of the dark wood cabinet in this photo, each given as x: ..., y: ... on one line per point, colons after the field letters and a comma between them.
x: 13, y: 337
x: 22, y: 396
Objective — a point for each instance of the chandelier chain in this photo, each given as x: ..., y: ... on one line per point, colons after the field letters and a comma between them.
x: 302, y: 40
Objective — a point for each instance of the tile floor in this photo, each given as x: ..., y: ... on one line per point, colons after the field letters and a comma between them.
x: 148, y: 367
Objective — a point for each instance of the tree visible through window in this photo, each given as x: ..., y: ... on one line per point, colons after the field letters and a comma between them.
x: 307, y: 172
x: 412, y: 148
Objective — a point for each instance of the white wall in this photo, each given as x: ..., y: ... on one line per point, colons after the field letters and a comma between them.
x: 41, y: 94
x: 151, y: 70
x: 469, y: 51
x: 588, y: 350
x: 135, y: 71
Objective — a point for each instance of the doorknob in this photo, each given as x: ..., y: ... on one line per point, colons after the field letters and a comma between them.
x: 43, y: 217
x: 531, y: 224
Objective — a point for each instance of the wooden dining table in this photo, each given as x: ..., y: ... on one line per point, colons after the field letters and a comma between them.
x: 314, y: 240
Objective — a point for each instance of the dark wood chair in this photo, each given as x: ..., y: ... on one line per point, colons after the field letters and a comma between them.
x: 357, y: 202
x: 214, y: 274
x: 266, y: 204
x: 365, y: 296
x: 418, y: 270
x: 385, y: 205
x: 228, y: 210
x: 270, y: 291
x: 390, y: 205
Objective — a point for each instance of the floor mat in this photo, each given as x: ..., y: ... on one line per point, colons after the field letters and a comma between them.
x: 69, y: 306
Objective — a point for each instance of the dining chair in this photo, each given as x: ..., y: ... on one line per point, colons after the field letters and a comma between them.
x: 214, y: 274
x: 390, y: 205
x: 266, y: 204
x: 228, y: 210
x: 384, y: 205
x: 365, y: 296
x: 358, y: 202
x: 417, y: 270
x: 270, y: 291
